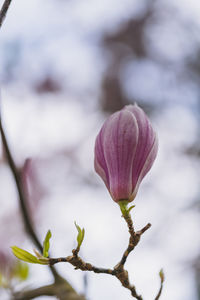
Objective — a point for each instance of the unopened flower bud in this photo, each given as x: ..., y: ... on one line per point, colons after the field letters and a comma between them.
x: 125, y: 150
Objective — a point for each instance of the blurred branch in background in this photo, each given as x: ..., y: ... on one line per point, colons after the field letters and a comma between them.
x: 4, y: 10
x: 25, y: 214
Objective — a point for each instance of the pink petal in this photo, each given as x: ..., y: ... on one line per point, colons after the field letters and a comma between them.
x: 146, y: 148
x: 119, y: 143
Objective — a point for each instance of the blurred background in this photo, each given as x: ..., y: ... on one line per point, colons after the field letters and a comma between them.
x: 64, y: 67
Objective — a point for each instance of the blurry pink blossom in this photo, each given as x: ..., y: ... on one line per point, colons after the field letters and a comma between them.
x: 32, y: 187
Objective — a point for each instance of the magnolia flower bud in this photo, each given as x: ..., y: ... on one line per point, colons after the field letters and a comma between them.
x: 125, y: 150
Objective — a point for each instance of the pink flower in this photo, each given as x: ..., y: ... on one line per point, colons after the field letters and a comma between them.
x: 125, y: 150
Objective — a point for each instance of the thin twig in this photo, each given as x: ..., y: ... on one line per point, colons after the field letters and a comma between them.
x: 134, y: 237
x: 118, y: 271
x: 162, y: 278
x: 78, y: 263
x: 159, y: 292
x: 4, y: 10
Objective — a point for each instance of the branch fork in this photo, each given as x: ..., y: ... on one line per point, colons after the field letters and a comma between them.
x: 118, y: 271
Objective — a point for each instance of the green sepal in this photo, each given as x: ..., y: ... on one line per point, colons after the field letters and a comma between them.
x: 46, y: 244
x: 130, y: 208
x: 123, y: 206
x: 124, y: 209
x: 28, y: 257
x: 80, y: 236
